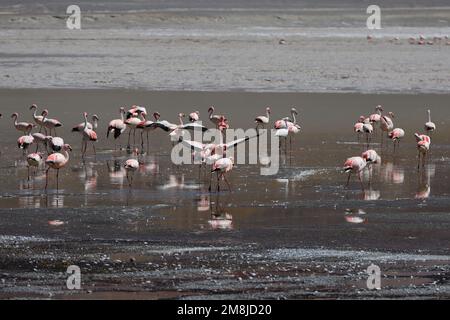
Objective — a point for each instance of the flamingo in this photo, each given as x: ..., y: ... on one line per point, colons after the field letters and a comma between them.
x: 57, y: 161
x: 214, y: 118
x: 221, y: 167
x: 91, y: 126
x: 40, y: 138
x: 396, y: 135
x: 38, y: 119
x: 355, y: 165
x: 56, y: 143
x: 117, y: 126
x: 376, y: 117
x: 147, y: 126
x: 133, y: 123
x: 371, y: 157
x: 135, y: 111
x: 25, y: 127
x: 88, y: 135
x: 286, y: 122
x: 131, y: 165
x: 25, y: 141
x: 358, y: 127
x: 194, y: 116
x: 429, y: 126
x: 33, y: 160
x: 386, y: 124
x: 263, y: 120
x: 423, y: 146
x: 50, y: 123
x: 368, y: 130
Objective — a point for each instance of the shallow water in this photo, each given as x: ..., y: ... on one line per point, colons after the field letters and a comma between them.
x: 305, y: 205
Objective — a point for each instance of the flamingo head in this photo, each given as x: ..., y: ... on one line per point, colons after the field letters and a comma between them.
x: 362, y: 118
x: 85, y: 114
x: 181, y: 115
x: 197, y: 112
x: 379, y: 107
x: 268, y: 110
x: 14, y: 115
x: 45, y: 112
x: 122, y: 109
x: 418, y: 137
x: 33, y: 107
x: 391, y: 114
x: 95, y: 117
x: 67, y: 147
x: 211, y: 109
x: 156, y: 115
x: 294, y: 111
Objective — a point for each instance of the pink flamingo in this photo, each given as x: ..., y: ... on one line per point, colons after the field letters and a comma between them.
x: 194, y: 116
x: 376, y: 117
x: 358, y: 127
x: 56, y: 143
x: 131, y: 165
x: 371, y: 157
x: 135, y: 111
x: 91, y: 126
x: 429, y: 125
x: 355, y: 165
x: 40, y: 138
x: 263, y: 120
x: 423, y: 146
x: 396, y: 135
x: 386, y: 124
x: 38, y: 119
x: 221, y: 167
x: 50, y: 123
x: 57, y: 161
x: 33, y: 160
x: 25, y: 127
x: 133, y: 122
x: 88, y: 135
x: 147, y: 126
x: 214, y: 118
x: 117, y: 126
x: 25, y: 141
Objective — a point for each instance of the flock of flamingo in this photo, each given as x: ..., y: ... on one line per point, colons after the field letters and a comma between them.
x: 213, y: 154
x: 135, y: 119
x: 368, y: 125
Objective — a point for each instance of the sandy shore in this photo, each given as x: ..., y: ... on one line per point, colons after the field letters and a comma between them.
x: 325, y: 50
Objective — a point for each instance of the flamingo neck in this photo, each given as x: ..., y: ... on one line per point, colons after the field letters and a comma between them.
x: 34, y: 113
x: 267, y: 114
x: 429, y: 116
x: 211, y: 111
x: 66, y: 155
x: 121, y: 114
x: 15, y: 120
x: 293, y: 117
x: 181, y: 120
x: 85, y: 122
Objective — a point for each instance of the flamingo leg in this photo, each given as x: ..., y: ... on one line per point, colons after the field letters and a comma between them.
x: 142, y: 139
x: 360, y: 180
x: 218, y: 182
x: 148, y: 144
x: 28, y: 173
x: 228, y: 184
x: 57, y: 179
x: 93, y: 147
x: 46, y: 178
x: 129, y: 137
x: 348, y: 179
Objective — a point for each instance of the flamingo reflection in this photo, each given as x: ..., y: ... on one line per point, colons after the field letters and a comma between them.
x: 220, y: 219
